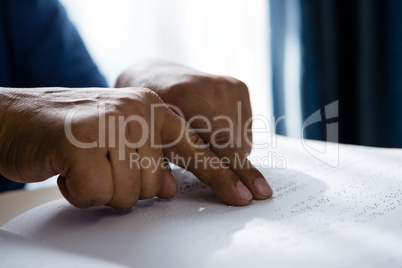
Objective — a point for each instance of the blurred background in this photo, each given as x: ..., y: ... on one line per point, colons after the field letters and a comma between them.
x: 222, y: 37
x: 350, y: 69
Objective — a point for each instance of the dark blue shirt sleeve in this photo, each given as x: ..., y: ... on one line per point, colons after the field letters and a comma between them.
x: 47, y: 49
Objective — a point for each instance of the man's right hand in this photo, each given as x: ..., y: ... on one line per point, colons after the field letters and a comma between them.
x: 108, y: 146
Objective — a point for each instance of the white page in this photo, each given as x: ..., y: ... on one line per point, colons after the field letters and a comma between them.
x: 20, y: 251
x: 320, y: 216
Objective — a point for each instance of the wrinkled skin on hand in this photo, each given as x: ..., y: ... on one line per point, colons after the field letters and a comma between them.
x: 195, y: 93
x: 39, y: 129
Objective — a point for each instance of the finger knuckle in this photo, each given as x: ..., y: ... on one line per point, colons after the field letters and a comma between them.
x: 182, y: 91
x: 84, y: 130
x: 221, y: 84
x: 196, y: 139
x: 220, y: 138
x: 237, y: 84
x: 241, y: 85
x: 128, y: 106
x: 150, y: 96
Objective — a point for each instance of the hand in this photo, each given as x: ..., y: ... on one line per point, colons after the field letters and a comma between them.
x: 222, y: 100
x: 217, y: 107
x: 93, y: 138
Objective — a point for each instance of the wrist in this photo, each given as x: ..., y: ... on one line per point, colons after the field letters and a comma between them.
x: 6, y: 100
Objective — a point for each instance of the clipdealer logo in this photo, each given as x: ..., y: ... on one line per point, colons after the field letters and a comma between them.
x: 328, y: 151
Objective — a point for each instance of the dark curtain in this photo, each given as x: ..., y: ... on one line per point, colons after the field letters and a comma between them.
x: 351, y: 52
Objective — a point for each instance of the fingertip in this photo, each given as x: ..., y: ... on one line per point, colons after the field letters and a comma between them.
x: 262, y: 189
x: 243, y: 192
x: 233, y: 194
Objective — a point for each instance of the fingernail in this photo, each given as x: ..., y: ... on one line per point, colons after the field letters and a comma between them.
x: 262, y: 187
x: 244, y: 193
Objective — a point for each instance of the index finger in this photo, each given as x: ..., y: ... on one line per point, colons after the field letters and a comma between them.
x: 222, y: 144
x: 191, y: 153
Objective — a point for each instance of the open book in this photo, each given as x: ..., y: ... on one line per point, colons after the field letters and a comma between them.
x: 333, y: 206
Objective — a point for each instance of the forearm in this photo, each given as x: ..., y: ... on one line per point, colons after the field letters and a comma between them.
x: 22, y: 126
x: 8, y: 97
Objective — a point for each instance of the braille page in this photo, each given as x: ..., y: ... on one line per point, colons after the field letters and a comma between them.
x: 333, y: 206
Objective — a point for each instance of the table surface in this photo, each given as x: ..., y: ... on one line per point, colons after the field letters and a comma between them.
x: 14, y: 203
